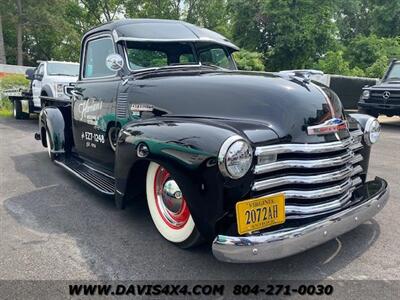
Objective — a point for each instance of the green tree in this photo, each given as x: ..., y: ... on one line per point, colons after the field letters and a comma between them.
x: 161, y: 9
x: 378, y: 68
x: 290, y: 33
x: 334, y: 63
x: 211, y: 14
x: 249, y: 61
x: 102, y: 10
x: 248, y: 23
x: 298, y: 31
x: 363, y: 51
x: 48, y: 33
x: 353, y: 18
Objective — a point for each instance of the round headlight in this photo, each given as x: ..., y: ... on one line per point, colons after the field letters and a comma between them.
x: 235, y: 157
x: 372, y: 131
x: 366, y: 94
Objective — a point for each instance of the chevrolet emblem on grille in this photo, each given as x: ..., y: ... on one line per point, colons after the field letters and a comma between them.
x: 331, y: 126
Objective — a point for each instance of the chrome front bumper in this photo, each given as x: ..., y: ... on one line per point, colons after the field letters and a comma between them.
x: 278, y: 244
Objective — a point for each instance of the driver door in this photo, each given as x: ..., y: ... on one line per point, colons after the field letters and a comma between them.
x: 94, y: 103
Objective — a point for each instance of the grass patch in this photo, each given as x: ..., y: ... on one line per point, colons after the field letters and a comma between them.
x: 8, y: 82
x: 5, y: 113
x: 5, y: 108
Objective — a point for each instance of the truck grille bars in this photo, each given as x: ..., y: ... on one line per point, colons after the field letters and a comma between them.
x: 315, y: 178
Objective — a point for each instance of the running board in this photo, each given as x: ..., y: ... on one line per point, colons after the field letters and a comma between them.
x: 100, y: 181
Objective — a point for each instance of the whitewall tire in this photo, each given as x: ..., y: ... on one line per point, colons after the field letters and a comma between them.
x: 168, y: 208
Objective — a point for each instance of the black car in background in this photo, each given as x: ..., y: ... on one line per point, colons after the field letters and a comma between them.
x: 384, y: 97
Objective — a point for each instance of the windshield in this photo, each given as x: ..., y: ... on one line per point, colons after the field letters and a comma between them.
x: 143, y: 55
x: 394, y: 73
x: 62, y: 69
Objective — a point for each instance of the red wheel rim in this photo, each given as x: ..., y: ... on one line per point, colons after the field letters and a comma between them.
x: 171, y: 204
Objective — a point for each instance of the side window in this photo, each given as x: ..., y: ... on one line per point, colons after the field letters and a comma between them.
x: 215, y: 56
x: 95, y: 58
x: 186, y: 58
x: 40, y: 71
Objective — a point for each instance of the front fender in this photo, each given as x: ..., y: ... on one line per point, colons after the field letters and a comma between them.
x: 48, y: 90
x: 188, y: 149
x: 361, y: 120
x: 52, y: 120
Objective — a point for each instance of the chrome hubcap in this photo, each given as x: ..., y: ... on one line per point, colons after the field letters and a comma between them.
x: 170, y: 201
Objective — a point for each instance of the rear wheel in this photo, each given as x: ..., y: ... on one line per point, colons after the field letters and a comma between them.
x: 48, y: 144
x: 113, y: 137
x: 17, y: 111
x: 168, y: 208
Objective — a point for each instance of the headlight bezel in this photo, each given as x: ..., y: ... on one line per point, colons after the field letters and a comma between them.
x: 366, y: 94
x: 223, y: 152
x: 59, y: 87
x: 372, y: 131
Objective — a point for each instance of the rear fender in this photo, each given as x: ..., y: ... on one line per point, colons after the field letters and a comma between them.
x: 52, y: 120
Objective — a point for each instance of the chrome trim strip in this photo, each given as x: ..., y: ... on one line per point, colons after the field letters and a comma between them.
x: 282, y: 243
x: 137, y: 39
x: 356, y: 147
x: 308, y: 164
x: 357, y: 132
x: 357, y: 169
x: 357, y: 181
x: 299, y: 211
x: 317, y: 193
x: 311, y: 179
x: 357, y: 159
x: 304, y: 148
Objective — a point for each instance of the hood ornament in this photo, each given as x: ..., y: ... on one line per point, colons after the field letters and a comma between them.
x: 331, y: 126
x: 303, y: 74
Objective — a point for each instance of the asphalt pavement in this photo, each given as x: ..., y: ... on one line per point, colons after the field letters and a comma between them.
x: 54, y: 227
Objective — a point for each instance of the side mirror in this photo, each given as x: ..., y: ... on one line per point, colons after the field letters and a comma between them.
x: 114, y: 62
x: 38, y: 76
x: 29, y: 73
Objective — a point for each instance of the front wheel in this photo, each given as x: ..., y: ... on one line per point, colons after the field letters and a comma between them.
x: 168, y: 208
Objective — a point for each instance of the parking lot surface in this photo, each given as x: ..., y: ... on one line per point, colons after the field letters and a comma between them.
x: 54, y: 227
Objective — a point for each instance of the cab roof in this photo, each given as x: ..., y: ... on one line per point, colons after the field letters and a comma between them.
x: 159, y: 30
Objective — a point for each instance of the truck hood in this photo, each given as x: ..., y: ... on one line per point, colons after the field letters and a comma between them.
x: 392, y: 85
x: 248, y: 102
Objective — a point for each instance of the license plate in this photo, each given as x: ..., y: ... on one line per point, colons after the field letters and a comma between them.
x: 260, y: 213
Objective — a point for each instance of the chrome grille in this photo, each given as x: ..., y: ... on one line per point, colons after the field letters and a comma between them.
x: 377, y: 97
x: 315, y: 178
